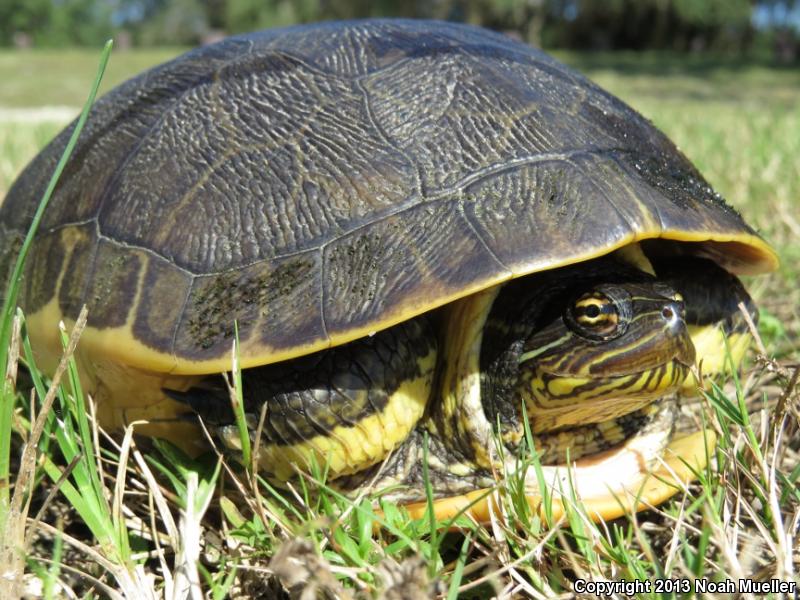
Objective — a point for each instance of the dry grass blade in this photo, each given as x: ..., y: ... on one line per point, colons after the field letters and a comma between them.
x: 93, y: 555
x: 783, y: 399
x: 117, y: 512
x: 50, y: 496
x: 169, y: 580
x: 12, y: 547
x: 257, y: 502
x: 158, y: 496
x: 27, y: 468
x: 13, y: 352
x: 187, y: 579
x: 753, y: 329
x: 525, y: 559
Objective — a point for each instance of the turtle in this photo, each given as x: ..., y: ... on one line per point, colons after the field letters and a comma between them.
x: 444, y: 253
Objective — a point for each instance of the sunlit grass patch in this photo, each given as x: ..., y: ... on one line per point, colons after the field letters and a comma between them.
x: 56, y: 77
x: 19, y: 143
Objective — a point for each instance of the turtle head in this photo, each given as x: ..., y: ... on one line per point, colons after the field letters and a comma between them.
x: 612, y: 349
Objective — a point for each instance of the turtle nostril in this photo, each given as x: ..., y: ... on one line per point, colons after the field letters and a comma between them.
x: 672, y: 313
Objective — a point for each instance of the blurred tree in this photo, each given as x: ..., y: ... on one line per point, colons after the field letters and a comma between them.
x: 215, y: 11
x: 728, y: 25
x: 247, y: 15
x: 56, y: 22
x: 176, y: 23
x: 721, y: 23
x: 81, y: 22
x: 525, y: 18
x: 23, y: 16
x: 137, y: 11
x: 781, y: 20
x: 640, y: 24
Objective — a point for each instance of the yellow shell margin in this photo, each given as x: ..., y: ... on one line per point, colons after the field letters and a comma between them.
x: 741, y: 254
x: 683, y: 459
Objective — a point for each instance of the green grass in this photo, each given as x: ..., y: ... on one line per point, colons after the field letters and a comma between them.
x: 58, y: 77
x: 739, y: 123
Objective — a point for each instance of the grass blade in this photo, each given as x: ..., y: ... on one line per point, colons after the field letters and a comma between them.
x: 8, y: 393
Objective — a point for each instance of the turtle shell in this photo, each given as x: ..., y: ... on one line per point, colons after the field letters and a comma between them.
x: 318, y: 183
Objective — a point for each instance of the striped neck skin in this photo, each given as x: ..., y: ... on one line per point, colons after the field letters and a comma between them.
x: 579, y: 346
x: 617, y: 348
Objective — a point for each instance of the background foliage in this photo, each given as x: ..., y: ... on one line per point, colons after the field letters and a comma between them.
x: 730, y: 26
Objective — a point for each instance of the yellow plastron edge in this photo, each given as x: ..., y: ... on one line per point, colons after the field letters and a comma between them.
x: 602, y: 498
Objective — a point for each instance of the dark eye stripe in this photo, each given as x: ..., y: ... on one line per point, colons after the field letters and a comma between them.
x: 596, y: 316
x: 597, y: 313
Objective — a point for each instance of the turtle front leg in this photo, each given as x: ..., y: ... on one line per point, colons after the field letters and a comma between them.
x: 343, y: 409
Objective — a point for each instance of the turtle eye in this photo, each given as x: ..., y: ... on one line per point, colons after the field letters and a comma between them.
x: 595, y: 315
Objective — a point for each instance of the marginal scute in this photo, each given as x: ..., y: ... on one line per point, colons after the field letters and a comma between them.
x: 276, y: 305
x: 114, y: 285
x: 80, y: 245
x: 42, y: 271
x: 12, y: 243
x: 155, y: 321
x: 677, y: 194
